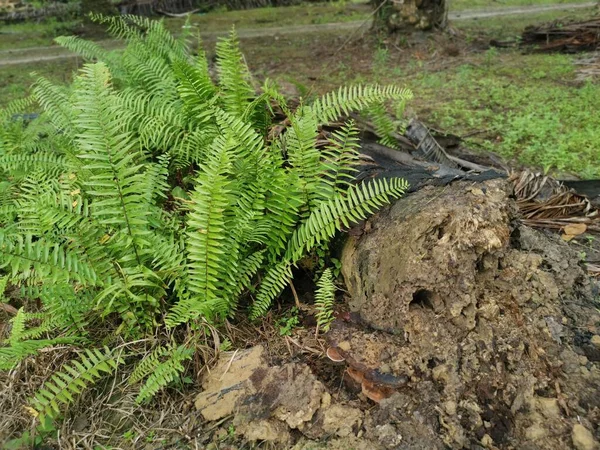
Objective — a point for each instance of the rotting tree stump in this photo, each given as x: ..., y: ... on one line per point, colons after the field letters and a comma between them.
x: 489, y: 324
x: 410, y: 15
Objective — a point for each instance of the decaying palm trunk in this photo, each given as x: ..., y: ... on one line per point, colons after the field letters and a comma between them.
x: 395, y: 16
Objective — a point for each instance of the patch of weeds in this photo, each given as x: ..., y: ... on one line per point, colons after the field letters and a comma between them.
x: 533, y: 114
x: 381, y: 59
x: 30, y: 34
x: 490, y: 56
x: 288, y: 322
x: 129, y: 435
x: 15, y: 80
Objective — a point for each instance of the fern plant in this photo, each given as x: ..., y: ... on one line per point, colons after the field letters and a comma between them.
x: 324, y: 300
x: 64, y: 385
x: 147, y: 195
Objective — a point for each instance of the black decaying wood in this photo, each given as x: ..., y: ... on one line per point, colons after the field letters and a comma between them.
x: 426, y: 146
x: 384, y: 162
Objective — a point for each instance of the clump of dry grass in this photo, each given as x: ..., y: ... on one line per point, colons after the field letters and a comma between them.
x: 106, y: 415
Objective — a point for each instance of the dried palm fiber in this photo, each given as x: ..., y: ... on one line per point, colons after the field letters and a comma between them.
x: 548, y: 203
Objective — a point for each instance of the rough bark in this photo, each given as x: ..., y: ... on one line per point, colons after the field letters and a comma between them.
x: 410, y: 15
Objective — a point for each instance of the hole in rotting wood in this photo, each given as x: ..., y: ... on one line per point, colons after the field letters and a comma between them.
x: 421, y: 298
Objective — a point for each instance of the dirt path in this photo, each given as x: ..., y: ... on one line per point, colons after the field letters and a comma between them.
x: 53, y: 53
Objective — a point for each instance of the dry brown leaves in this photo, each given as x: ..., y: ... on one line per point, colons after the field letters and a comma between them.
x: 546, y: 203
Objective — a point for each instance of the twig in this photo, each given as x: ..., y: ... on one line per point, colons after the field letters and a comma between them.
x: 8, y: 308
x: 295, y: 294
x: 229, y: 364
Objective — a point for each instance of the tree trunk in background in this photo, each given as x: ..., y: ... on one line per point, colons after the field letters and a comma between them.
x: 409, y: 15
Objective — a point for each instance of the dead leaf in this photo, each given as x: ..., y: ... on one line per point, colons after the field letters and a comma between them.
x: 575, y: 229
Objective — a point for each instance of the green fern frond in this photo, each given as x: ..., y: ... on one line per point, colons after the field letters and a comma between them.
x: 283, y: 205
x: 30, y: 259
x: 247, y: 269
x: 334, y: 105
x: 3, y: 284
x: 18, y: 106
x: 116, y: 170
x: 148, y: 364
x: 385, y: 127
x: 333, y: 215
x: 195, y: 88
x: 304, y: 157
x: 209, y: 265
x: 340, y: 159
x: 17, y: 326
x: 165, y: 372
x: 324, y: 300
x: 72, y: 379
x: 87, y: 49
x: 321, y: 226
x: 234, y: 76
x: 121, y: 27
x: 271, y: 286
x: 50, y: 164
x: 18, y: 351
x: 56, y: 102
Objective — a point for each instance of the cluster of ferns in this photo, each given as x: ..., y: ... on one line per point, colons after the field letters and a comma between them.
x: 151, y: 196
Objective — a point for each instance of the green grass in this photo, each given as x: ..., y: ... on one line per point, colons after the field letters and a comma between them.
x: 309, y: 13
x: 459, y: 5
x: 25, y: 35
x: 512, y: 26
x: 526, y: 107
x: 15, y: 80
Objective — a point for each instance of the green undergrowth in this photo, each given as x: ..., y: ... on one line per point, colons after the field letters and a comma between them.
x: 31, y: 34
x: 15, y: 81
x: 524, y: 107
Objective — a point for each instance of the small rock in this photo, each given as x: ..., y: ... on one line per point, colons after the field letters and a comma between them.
x: 340, y: 420
x: 535, y: 432
x: 450, y: 407
x: 264, y: 430
x: 548, y: 407
x: 487, y: 441
x: 388, y: 436
x: 583, y: 439
x: 595, y: 341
